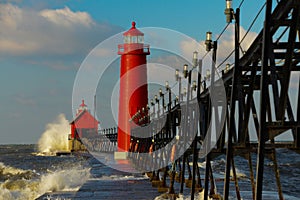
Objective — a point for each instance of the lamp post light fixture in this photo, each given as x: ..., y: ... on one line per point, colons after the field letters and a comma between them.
x: 227, y: 68
x: 176, y: 99
x: 167, y: 85
x: 153, y: 105
x: 157, y: 101
x: 147, y: 114
x: 139, y: 112
x: 168, y: 88
x: 178, y: 78
x: 161, y: 94
x: 195, y: 58
x: 208, y: 74
x: 177, y: 74
x: 229, y: 11
x: 185, y: 71
x: 193, y: 88
x: 194, y: 85
x: 208, y: 41
x: 152, y: 102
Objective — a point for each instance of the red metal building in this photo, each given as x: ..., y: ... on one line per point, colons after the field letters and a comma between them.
x: 133, y: 82
x: 84, y: 124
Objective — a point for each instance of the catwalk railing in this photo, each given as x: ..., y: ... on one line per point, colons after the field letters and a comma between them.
x: 258, y: 109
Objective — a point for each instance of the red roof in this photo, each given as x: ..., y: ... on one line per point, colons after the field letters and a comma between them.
x: 85, y: 117
x: 133, y: 31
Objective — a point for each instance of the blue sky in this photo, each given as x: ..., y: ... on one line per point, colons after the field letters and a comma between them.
x: 43, y: 43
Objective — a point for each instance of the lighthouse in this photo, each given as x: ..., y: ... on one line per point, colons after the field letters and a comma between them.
x: 133, y: 83
x: 84, y: 125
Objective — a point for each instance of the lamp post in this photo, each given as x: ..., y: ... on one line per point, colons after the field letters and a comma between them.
x: 230, y: 15
x: 211, y: 45
x: 188, y: 74
x: 178, y: 78
x: 153, y: 106
x: 162, y: 95
x: 227, y: 68
x: 210, y: 75
x: 196, y: 63
x: 157, y: 101
x: 146, y: 114
x: 194, y: 88
x: 176, y: 100
x: 168, y: 88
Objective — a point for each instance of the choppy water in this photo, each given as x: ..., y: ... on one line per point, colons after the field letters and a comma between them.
x: 26, y: 175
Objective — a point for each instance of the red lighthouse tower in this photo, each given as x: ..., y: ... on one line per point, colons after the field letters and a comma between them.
x: 133, y: 82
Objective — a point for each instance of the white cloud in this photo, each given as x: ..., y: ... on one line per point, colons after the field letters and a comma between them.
x: 189, y: 46
x: 24, y: 100
x: 225, y: 45
x: 104, y: 52
x: 66, y: 17
x: 29, y: 32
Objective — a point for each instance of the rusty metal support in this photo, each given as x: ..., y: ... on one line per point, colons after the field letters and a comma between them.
x: 195, y: 162
x: 263, y: 95
x: 213, y: 190
x: 189, y: 168
x: 255, y: 117
x: 195, y: 155
x: 276, y: 171
x: 251, y: 174
x: 172, y: 179
x: 288, y: 63
x: 164, y: 178
x: 199, y: 184
x: 248, y: 105
x: 182, y: 173
x: 237, y: 189
x: 206, y: 181
x: 185, y: 128
x: 234, y: 91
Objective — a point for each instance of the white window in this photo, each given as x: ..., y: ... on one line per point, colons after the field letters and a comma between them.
x: 140, y: 39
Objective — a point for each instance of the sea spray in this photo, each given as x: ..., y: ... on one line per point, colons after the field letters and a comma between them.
x: 17, y: 188
x: 64, y: 180
x: 7, y: 172
x: 55, y: 137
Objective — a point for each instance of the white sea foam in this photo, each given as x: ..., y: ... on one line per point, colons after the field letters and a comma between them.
x: 239, y: 174
x: 8, y: 170
x: 246, y: 195
x: 55, y: 137
x: 27, y: 189
x: 198, y: 196
x: 120, y: 177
